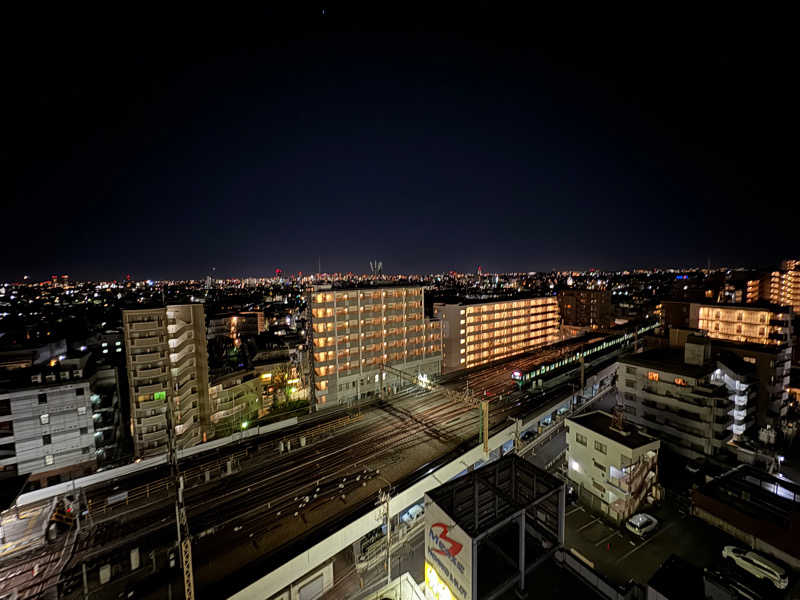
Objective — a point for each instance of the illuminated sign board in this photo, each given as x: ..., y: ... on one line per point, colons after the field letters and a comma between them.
x: 448, y: 556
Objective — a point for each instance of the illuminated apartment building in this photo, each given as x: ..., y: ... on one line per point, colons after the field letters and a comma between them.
x: 756, y: 324
x: 357, y: 330
x: 167, y: 361
x: 476, y: 334
x: 744, y: 323
x: 784, y: 285
x: 234, y: 325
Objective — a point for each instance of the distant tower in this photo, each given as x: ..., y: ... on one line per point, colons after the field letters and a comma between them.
x: 376, y: 267
x: 480, y: 270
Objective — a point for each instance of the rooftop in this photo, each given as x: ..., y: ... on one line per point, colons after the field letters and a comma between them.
x: 513, y: 483
x: 603, y: 423
x: 465, y: 301
x: 670, y: 360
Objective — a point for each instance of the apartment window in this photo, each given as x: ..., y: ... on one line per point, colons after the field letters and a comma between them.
x: 630, y: 383
x: 600, y: 447
x: 581, y: 439
x: 680, y: 381
x: 630, y: 370
x: 749, y: 359
x: 600, y: 466
x: 84, y: 430
x: 44, y: 419
x: 84, y: 450
x: 81, y: 410
x: 79, y: 391
x: 652, y: 376
x: 48, y: 459
x: 631, y: 410
x: 42, y: 398
x: 46, y: 439
x: 598, y: 487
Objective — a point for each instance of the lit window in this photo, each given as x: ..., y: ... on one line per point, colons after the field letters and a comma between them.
x: 81, y: 410
x: 680, y: 381
x: 44, y: 419
x: 652, y: 376
x: 48, y: 459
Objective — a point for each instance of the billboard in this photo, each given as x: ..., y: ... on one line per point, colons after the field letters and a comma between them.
x: 448, y: 556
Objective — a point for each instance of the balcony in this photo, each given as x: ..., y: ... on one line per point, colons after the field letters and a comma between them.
x: 145, y: 325
x: 148, y: 357
x: 157, y: 420
x: 154, y: 435
x: 152, y: 340
x: 675, y: 429
x: 678, y: 402
x: 187, y: 416
x: 149, y: 389
x: 152, y: 372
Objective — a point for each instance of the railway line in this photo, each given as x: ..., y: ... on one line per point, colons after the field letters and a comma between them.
x: 257, y: 497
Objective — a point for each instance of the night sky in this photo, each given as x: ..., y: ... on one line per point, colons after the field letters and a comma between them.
x: 516, y: 143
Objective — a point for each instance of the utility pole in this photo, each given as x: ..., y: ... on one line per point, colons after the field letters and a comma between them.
x: 184, y: 539
x: 384, y: 496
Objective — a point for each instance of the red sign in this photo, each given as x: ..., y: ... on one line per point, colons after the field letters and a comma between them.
x: 454, y: 547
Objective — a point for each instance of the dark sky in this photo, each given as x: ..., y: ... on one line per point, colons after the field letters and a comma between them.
x: 262, y: 140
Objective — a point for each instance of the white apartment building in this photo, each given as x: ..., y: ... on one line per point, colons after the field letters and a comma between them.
x: 682, y: 398
x: 478, y: 333
x: 743, y: 323
x: 46, y: 425
x: 613, y: 465
x: 167, y: 364
x: 356, y: 330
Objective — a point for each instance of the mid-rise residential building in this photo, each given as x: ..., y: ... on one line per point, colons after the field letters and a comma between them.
x: 784, y: 285
x: 771, y: 366
x: 356, y: 330
x: 681, y: 396
x: 234, y: 325
x: 167, y: 365
x: 613, y: 465
x: 235, y: 400
x: 476, y: 333
x: 586, y: 307
x: 760, y: 324
x: 46, y: 422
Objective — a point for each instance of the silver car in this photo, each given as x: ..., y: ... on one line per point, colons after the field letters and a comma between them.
x: 757, y: 565
x: 642, y: 524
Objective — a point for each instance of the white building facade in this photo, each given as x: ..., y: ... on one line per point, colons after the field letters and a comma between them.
x: 612, y: 465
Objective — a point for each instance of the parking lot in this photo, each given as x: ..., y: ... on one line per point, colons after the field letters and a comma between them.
x: 622, y: 556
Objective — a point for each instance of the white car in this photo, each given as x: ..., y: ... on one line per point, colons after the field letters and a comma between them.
x: 757, y: 565
x: 642, y: 524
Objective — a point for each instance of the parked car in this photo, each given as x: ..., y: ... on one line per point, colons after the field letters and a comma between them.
x: 757, y: 565
x: 642, y: 524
